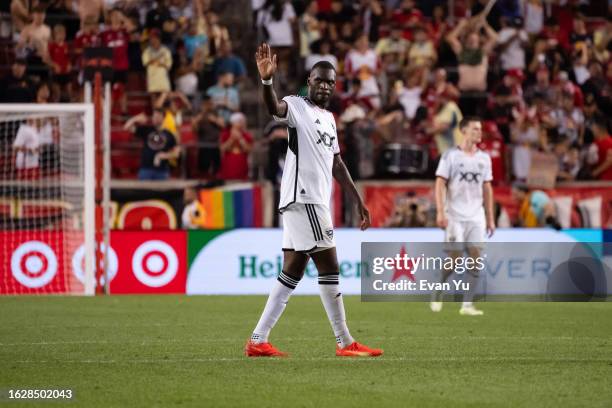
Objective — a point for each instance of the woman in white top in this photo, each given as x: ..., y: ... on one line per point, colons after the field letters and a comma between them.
x: 277, y: 18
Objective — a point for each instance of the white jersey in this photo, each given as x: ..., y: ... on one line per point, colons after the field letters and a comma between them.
x: 465, y: 175
x: 313, y: 142
x: 27, y: 137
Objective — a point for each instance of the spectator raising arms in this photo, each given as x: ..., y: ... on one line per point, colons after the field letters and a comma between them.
x: 473, y: 56
x: 159, y: 146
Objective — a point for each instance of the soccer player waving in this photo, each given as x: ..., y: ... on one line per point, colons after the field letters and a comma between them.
x: 313, y: 157
x: 464, y: 202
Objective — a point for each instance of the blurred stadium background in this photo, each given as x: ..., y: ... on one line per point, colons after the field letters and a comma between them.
x: 537, y: 72
x: 202, y: 220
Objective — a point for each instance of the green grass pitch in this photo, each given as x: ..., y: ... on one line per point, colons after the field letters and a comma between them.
x: 178, y: 351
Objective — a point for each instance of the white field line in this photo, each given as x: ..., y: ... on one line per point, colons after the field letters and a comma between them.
x: 299, y: 339
x: 338, y: 359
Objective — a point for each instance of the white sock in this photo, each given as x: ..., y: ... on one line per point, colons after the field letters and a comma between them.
x: 467, y: 304
x: 277, y: 301
x: 334, y: 306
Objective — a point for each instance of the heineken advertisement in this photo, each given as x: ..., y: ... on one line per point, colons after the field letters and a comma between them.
x: 247, y: 261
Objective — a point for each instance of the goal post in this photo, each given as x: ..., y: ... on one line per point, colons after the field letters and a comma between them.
x: 47, y: 199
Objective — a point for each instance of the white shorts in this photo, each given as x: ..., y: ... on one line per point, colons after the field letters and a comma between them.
x: 460, y: 235
x: 307, y: 228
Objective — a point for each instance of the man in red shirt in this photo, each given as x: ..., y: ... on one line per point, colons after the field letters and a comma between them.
x: 600, y: 154
x: 87, y: 37
x: 236, y: 143
x: 493, y: 143
x: 59, y: 60
x: 117, y: 38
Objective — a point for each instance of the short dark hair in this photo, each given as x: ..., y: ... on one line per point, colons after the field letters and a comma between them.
x: 467, y: 120
x: 323, y: 64
x: 600, y: 121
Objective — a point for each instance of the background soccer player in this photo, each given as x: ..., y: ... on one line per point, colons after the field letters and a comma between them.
x: 313, y: 157
x: 464, y: 202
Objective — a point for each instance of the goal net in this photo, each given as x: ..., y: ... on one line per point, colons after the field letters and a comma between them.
x: 47, y: 203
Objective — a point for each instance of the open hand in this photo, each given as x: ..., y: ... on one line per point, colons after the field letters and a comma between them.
x: 266, y: 62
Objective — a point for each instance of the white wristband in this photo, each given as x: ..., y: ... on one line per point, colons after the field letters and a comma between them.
x: 266, y: 81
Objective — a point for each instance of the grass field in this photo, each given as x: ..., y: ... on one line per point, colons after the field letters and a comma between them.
x: 182, y: 351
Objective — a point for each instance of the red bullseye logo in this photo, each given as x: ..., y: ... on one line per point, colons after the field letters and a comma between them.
x: 33, y: 264
x: 155, y: 263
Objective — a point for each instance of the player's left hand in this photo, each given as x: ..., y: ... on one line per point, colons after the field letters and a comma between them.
x: 365, y: 217
x: 490, y: 229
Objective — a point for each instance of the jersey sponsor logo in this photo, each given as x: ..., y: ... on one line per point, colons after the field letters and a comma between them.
x: 325, y: 138
x: 469, y: 177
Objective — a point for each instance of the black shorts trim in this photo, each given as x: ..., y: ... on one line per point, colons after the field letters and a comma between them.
x: 312, y: 217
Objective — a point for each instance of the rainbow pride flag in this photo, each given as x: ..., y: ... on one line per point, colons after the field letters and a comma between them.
x: 244, y: 205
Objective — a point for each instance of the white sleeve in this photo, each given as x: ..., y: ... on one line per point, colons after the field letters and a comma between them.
x: 444, y: 167
x: 20, y: 138
x: 336, y: 141
x: 488, y: 170
x: 293, y: 111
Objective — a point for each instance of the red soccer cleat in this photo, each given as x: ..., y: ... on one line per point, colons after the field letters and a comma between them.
x: 357, y: 350
x: 262, y: 350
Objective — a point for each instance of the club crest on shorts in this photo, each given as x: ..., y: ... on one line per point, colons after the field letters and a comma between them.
x: 329, y: 233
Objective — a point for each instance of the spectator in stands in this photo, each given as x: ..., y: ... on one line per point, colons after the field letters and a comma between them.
x: 64, y: 12
x: 568, y: 155
x: 159, y: 145
x: 438, y: 26
x: 186, y: 73
x: 409, y: 94
x: 507, y: 95
x: 225, y: 96
x: 236, y: 143
x: 278, y: 20
x: 473, y: 56
x: 33, y: 43
x: 525, y: 136
x: 439, y: 85
x: 226, y: 61
x: 310, y: 28
x: 512, y: 40
x: 20, y: 14
x: 536, y: 208
x: 372, y: 14
x: 568, y: 119
x: 534, y: 16
x: 117, y: 38
x: 43, y: 93
x: 27, y: 151
x: 601, y: 40
x: 320, y: 51
x: 16, y: 86
x: 276, y: 137
x: 156, y: 58
x: 194, y: 41
x: 422, y: 51
x: 445, y: 123
x: 87, y: 37
x: 207, y: 125
x: 393, y: 45
x: 363, y: 63
x: 600, y: 152
x: 59, y: 59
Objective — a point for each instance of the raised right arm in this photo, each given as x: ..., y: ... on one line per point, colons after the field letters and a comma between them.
x: 266, y: 65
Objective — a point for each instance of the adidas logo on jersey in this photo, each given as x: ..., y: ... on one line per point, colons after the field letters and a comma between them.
x: 318, y: 122
x: 303, y: 191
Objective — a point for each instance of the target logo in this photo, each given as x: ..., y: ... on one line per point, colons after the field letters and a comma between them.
x: 155, y: 263
x: 34, y: 264
x: 78, y: 263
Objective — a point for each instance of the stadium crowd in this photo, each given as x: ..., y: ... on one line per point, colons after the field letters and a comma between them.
x: 538, y: 72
